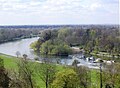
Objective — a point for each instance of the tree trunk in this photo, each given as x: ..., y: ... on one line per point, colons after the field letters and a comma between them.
x: 31, y: 84
x: 46, y: 83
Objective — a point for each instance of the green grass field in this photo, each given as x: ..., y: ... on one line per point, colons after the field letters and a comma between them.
x: 10, y: 63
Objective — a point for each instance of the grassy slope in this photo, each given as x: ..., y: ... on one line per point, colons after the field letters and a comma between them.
x: 11, y: 63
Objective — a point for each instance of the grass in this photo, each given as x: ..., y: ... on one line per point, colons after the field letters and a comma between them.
x: 95, y: 78
x: 10, y: 62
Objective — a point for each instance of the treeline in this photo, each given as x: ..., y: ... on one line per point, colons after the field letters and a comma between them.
x: 14, y: 34
x: 91, y: 40
x: 60, y: 26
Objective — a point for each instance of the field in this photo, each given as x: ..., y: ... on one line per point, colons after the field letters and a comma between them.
x: 10, y: 63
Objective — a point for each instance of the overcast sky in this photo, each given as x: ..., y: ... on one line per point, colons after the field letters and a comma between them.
x: 41, y: 12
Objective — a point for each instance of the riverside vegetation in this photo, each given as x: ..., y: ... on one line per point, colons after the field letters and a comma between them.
x: 59, y: 42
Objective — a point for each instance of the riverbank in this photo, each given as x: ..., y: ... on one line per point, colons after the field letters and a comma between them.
x: 20, y: 38
x: 106, y: 56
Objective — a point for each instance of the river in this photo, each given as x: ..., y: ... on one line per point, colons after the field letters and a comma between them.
x: 23, y: 46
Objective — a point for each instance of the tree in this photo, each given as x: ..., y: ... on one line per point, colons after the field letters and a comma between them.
x: 15, y: 81
x: 25, y: 57
x: 4, y: 79
x: 46, y: 72
x: 63, y: 33
x: 18, y: 54
x: 26, y: 70
x: 111, y: 76
x: 48, y: 34
x: 66, y: 79
x: 89, y: 47
x: 36, y: 45
x: 83, y: 76
x: 55, y: 47
x: 75, y: 63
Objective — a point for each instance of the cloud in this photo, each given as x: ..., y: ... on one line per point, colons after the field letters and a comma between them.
x: 94, y: 6
x: 61, y: 10
x: 53, y: 6
x: 110, y: 1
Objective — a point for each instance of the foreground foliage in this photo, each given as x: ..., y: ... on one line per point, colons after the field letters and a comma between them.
x: 27, y: 74
x: 66, y: 79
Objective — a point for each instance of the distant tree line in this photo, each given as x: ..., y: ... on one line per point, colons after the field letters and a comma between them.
x: 14, y: 34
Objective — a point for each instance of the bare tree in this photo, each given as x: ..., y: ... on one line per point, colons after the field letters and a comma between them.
x: 25, y: 56
x: 26, y: 70
x: 84, y: 76
x: 46, y: 71
x: 18, y: 54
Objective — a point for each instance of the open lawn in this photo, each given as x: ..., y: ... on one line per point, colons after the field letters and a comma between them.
x: 10, y: 62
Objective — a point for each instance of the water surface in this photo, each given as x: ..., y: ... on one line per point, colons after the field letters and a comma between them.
x: 23, y: 46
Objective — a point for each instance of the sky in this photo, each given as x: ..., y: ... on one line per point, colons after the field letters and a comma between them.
x: 50, y: 12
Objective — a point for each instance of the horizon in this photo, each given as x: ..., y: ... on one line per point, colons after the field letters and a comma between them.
x: 54, y: 24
